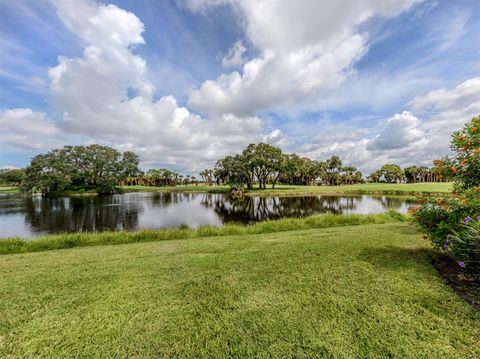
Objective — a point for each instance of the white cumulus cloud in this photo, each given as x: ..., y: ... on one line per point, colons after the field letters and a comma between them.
x: 400, y: 131
x: 234, y: 57
x: 461, y: 96
x: 22, y: 127
x: 411, y: 137
x: 302, y: 50
x: 307, y: 48
x: 105, y: 96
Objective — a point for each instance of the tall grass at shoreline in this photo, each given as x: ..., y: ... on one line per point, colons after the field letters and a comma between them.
x: 84, y: 239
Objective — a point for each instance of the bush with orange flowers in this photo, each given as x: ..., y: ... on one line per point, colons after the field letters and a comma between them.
x: 451, y: 223
x: 464, y: 167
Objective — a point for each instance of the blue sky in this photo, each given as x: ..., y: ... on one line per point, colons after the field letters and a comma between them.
x: 185, y: 82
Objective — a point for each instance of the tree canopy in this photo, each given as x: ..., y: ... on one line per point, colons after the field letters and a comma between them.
x: 89, y: 167
x: 12, y: 177
x: 265, y: 164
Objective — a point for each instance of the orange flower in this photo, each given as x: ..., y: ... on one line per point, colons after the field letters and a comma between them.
x: 464, y: 162
x: 413, y: 210
x: 454, y: 169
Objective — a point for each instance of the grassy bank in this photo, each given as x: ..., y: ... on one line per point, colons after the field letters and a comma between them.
x: 284, y: 190
x: 190, y: 188
x: 9, y: 190
x: 79, y: 239
x: 364, y: 188
x: 349, y: 292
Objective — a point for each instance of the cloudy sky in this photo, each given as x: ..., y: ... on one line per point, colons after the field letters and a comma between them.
x: 183, y: 82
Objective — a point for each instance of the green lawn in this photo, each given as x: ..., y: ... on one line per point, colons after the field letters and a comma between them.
x: 9, y: 190
x: 190, y: 188
x: 362, y: 291
x: 380, y: 188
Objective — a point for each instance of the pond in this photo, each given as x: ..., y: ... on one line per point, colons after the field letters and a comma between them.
x: 30, y: 216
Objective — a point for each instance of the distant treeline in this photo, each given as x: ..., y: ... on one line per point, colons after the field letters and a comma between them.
x: 263, y: 163
x: 92, y: 168
x: 392, y: 173
x: 162, y: 177
x: 101, y: 169
x: 12, y: 176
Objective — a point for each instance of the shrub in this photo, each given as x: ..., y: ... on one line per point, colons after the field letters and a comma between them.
x: 452, y: 223
x: 464, y: 167
x: 453, y: 226
x: 439, y: 217
x: 464, y: 245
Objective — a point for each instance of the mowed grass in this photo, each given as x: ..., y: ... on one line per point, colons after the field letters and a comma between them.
x: 351, y: 292
x: 9, y: 190
x: 189, y: 188
x: 283, y: 190
x: 380, y: 188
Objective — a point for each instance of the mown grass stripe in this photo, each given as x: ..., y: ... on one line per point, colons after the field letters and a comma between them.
x: 347, y: 292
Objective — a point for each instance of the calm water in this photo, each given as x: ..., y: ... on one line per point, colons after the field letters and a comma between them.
x: 32, y: 216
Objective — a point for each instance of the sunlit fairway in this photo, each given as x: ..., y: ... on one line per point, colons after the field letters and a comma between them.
x: 9, y: 190
x: 380, y: 188
x: 189, y: 188
x: 360, y: 291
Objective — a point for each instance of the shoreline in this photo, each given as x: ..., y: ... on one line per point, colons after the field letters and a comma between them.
x: 410, y: 189
x: 14, y: 245
x: 401, y: 189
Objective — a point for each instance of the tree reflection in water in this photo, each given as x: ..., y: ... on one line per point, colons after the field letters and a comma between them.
x: 395, y: 202
x: 30, y: 216
x: 254, y: 209
x: 76, y: 214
